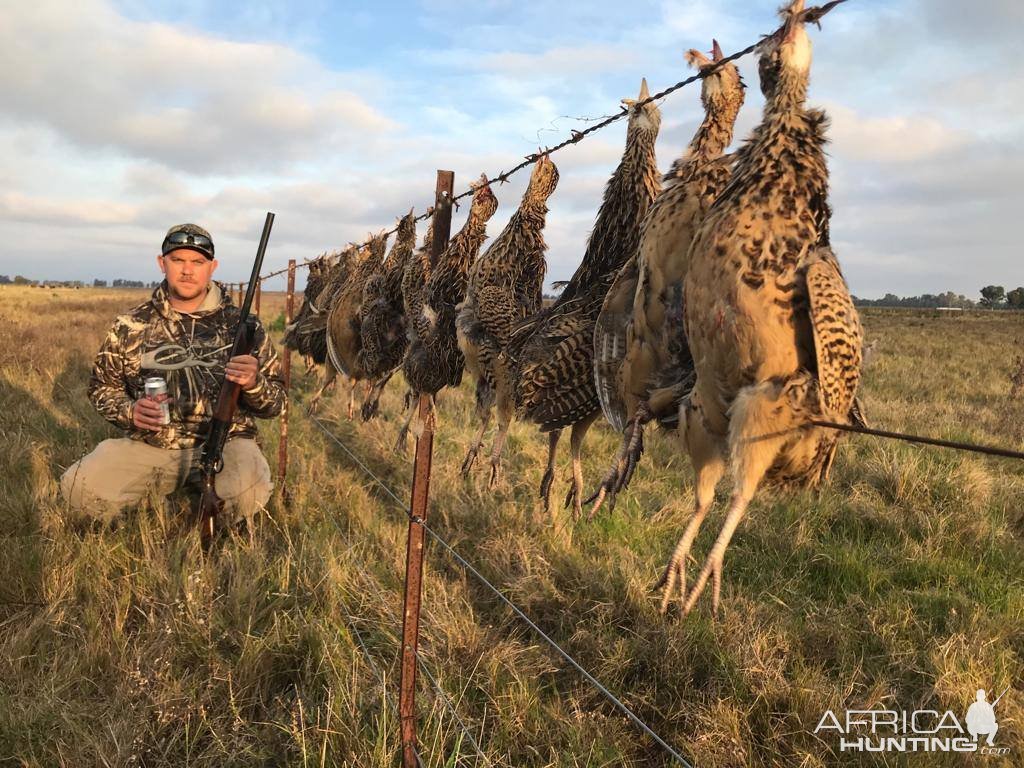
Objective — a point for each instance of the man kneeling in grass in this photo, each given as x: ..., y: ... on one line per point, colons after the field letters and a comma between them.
x: 182, y: 334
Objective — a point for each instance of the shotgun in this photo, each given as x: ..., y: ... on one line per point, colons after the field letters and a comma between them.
x: 211, y: 505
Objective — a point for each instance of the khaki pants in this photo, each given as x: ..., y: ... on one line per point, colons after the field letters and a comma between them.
x: 120, y: 472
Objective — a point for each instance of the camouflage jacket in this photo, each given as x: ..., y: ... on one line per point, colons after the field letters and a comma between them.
x: 189, y: 351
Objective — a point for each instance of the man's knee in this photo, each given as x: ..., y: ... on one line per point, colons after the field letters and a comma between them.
x: 83, y: 488
x: 105, y: 481
x: 245, y: 483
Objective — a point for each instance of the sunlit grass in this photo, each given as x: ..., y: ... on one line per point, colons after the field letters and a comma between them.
x: 899, y: 584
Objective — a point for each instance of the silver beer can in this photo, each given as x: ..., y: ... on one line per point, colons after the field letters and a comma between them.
x: 156, y: 388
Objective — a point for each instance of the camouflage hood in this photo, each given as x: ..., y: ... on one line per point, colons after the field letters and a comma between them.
x: 189, y: 351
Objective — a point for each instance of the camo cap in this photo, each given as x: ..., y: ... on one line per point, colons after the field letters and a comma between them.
x: 188, y: 236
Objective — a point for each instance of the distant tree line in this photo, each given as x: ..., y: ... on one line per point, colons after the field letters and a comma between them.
x: 992, y: 297
x: 97, y: 283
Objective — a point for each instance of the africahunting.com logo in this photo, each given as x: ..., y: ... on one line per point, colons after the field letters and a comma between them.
x: 920, y: 730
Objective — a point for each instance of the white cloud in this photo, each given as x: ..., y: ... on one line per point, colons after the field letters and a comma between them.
x: 182, y: 98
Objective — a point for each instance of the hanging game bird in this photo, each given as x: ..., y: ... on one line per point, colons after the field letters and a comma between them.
x: 504, y: 287
x: 382, y: 316
x: 775, y: 338
x: 552, y: 352
x: 642, y: 362
x: 433, y: 360
x: 344, y: 322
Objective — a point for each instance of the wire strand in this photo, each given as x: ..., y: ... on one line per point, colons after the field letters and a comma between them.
x: 810, y: 15
x: 500, y: 595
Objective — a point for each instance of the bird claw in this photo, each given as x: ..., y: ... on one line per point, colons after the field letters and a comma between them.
x: 495, y: 473
x: 672, y: 580
x: 713, y: 570
x: 470, y: 460
x: 545, y: 488
x: 369, y: 409
x: 621, y: 472
x: 574, y: 497
x: 401, y: 446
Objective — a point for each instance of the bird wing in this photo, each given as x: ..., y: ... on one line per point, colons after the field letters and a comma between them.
x: 610, y: 343
x: 554, y: 386
x: 838, y: 338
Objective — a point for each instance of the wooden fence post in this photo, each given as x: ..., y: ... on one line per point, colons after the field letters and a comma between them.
x: 256, y: 297
x: 241, y: 291
x: 420, y: 494
x: 286, y: 373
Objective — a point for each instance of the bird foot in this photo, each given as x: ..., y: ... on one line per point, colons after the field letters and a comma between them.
x: 495, y: 474
x: 624, y: 465
x: 575, y: 498
x: 545, y: 488
x: 401, y: 446
x: 311, y: 409
x: 470, y: 460
x: 369, y: 409
x: 672, y: 580
x: 713, y: 570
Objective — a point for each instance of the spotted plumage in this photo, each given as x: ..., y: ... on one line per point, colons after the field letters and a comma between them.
x: 553, y: 351
x: 642, y: 364
x: 382, y: 316
x: 505, y: 286
x: 433, y: 360
x: 344, y: 317
x: 775, y: 339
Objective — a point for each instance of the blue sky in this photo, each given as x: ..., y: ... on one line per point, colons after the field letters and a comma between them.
x: 121, y: 118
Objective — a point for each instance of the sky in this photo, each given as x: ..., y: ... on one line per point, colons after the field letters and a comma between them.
x: 123, y: 117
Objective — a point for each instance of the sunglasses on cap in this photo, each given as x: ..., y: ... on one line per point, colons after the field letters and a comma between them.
x: 201, y: 243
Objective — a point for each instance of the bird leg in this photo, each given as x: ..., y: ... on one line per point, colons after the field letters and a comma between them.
x: 503, y: 400
x: 372, y: 403
x: 716, y: 558
x: 760, y: 424
x: 624, y: 464
x: 352, y: 400
x: 402, y: 441
x: 549, y: 472
x: 706, y: 455
x: 575, y: 495
x: 478, y: 442
x: 329, y: 381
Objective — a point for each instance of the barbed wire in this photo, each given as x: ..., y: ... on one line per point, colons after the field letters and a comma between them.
x: 612, y: 698
x: 810, y: 15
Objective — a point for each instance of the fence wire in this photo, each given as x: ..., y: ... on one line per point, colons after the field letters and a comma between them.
x: 810, y: 16
x: 612, y: 698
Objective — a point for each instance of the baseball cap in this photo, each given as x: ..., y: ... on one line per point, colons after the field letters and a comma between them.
x: 188, y: 236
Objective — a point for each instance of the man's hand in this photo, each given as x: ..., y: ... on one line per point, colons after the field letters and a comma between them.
x: 146, y: 414
x: 243, y: 369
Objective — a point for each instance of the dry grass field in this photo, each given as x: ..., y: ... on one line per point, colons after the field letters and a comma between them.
x: 898, y: 586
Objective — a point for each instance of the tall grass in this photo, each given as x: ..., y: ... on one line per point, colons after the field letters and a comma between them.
x: 898, y: 585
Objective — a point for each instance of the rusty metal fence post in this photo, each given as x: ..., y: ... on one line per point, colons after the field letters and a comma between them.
x: 420, y: 495
x: 286, y: 373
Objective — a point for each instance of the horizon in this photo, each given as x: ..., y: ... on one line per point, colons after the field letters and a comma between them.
x: 141, y: 115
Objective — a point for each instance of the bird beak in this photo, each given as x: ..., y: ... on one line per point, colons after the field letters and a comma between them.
x: 716, y: 51
x: 644, y: 93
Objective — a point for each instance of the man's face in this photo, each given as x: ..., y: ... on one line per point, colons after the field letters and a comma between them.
x: 188, y: 272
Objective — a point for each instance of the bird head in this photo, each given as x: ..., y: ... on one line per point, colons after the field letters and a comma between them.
x: 786, y: 53
x: 642, y: 116
x: 378, y: 245
x: 484, y: 202
x: 722, y: 88
x: 543, y: 179
x: 406, y: 231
